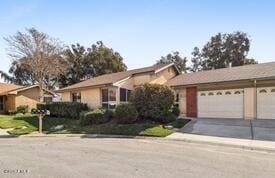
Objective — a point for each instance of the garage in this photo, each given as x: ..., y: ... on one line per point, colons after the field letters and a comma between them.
x: 266, y: 103
x: 221, y: 104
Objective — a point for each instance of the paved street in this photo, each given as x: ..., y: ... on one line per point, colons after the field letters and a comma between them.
x: 110, y: 157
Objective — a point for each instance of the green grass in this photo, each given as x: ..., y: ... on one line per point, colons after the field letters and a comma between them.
x: 25, y: 124
x: 154, y: 130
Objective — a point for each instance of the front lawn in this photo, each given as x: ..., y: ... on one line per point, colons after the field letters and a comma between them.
x: 25, y: 124
x: 155, y: 130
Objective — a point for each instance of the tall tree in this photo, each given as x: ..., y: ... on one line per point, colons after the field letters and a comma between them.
x: 36, y: 56
x: 105, y: 60
x: 86, y: 63
x: 196, y: 60
x: 225, y: 49
x: 175, y: 58
x: 80, y: 66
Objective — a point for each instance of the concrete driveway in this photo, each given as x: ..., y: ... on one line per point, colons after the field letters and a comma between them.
x: 232, y: 128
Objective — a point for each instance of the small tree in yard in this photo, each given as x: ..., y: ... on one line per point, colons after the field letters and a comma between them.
x: 153, y: 101
x: 38, y: 53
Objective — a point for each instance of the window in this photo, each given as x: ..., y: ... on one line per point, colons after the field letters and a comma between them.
x: 237, y: 92
x: 263, y: 91
x: 104, y: 95
x: 112, y: 94
x: 108, y: 98
x: 124, y: 94
x: 76, y: 97
x: 47, y: 99
x: 219, y: 93
x: 210, y: 94
x: 202, y: 94
x: 228, y: 93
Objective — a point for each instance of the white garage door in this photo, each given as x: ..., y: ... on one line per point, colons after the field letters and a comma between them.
x: 220, y: 104
x: 266, y: 103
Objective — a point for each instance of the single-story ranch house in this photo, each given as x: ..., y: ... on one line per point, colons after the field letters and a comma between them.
x: 12, y: 96
x: 238, y: 92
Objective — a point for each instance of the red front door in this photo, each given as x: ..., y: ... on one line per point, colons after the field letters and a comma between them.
x: 191, y: 102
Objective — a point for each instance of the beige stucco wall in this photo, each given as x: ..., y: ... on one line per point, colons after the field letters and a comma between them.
x: 163, y: 76
x: 91, y: 97
x: 250, y: 103
x: 158, y: 78
x: 128, y: 84
x: 28, y: 97
x: 141, y: 79
x: 66, y: 96
x: 9, y: 103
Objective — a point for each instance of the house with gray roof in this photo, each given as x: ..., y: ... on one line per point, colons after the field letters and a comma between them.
x: 237, y: 92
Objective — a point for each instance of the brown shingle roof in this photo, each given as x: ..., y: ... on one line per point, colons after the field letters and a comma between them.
x: 248, y: 72
x: 112, y: 78
x: 5, y: 87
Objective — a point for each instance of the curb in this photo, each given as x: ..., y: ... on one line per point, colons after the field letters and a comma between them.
x: 87, y: 136
x: 248, y: 146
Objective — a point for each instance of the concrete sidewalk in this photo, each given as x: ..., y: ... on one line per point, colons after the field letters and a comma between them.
x: 232, y: 142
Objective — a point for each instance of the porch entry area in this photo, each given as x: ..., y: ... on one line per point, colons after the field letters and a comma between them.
x: 112, y: 96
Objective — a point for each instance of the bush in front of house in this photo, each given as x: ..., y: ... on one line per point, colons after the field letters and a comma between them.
x: 175, y: 110
x: 153, y: 101
x: 97, y: 116
x: 64, y: 109
x: 167, y: 118
x: 126, y: 113
x: 22, y: 109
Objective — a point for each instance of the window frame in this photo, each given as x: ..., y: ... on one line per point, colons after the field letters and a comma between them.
x: 45, y: 98
x: 111, y: 104
x: 78, y: 96
x: 127, y: 95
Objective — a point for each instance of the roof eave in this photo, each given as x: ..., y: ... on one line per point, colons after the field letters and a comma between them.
x: 241, y: 80
x: 82, y: 88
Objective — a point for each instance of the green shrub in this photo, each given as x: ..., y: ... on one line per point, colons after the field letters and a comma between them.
x: 126, y: 114
x: 22, y: 109
x: 64, y: 109
x: 176, y: 110
x: 166, y: 118
x: 97, y: 116
x: 153, y: 100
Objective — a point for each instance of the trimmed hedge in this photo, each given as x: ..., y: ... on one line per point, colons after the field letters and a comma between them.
x: 98, y: 116
x: 153, y: 101
x: 22, y: 109
x: 126, y: 114
x: 64, y: 109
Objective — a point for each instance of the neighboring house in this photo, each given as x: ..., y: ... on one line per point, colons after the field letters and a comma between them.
x: 12, y: 96
x: 111, y: 89
x: 239, y: 92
